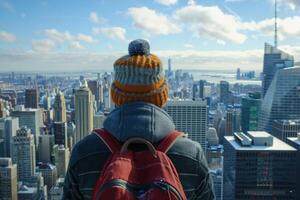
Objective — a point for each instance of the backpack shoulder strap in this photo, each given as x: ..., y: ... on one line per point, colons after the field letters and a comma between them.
x: 111, y: 142
x: 169, y: 140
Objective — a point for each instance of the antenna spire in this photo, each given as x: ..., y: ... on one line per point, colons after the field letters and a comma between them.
x: 276, y: 31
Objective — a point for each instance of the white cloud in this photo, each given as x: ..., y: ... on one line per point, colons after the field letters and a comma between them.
x: 166, y: 2
x: 287, y: 27
x: 211, y: 21
x: 188, y: 45
x: 95, y: 18
x: 85, y: 38
x: 45, y: 45
x: 7, y: 37
x: 293, y: 4
x: 112, y: 32
x: 75, y: 45
x: 152, y: 22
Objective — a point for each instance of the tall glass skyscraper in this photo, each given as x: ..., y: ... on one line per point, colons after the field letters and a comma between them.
x: 274, y: 59
x: 250, y: 109
x: 282, y: 101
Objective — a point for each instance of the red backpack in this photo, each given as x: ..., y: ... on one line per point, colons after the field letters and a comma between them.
x: 143, y: 175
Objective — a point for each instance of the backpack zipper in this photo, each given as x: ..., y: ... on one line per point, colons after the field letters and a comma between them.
x: 139, y: 190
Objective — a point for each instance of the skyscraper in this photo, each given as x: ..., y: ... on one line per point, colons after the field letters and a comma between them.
x: 62, y: 157
x: 60, y: 133
x: 59, y: 108
x: 32, y: 119
x: 49, y: 173
x: 224, y: 92
x: 46, y: 143
x: 190, y: 117
x: 250, y: 109
x: 84, y: 112
x: 8, y: 180
x: 8, y: 129
x: 201, y: 88
x: 274, y: 59
x: 282, y: 101
x: 31, y: 98
x: 258, y: 166
x: 295, y: 142
x: 283, y: 129
x: 23, y: 154
x: 233, y: 121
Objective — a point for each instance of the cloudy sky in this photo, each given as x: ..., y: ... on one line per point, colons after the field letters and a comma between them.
x: 56, y: 35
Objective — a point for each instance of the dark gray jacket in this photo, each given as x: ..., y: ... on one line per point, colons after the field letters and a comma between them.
x: 142, y: 120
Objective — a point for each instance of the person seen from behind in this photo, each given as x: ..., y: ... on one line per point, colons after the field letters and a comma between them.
x: 138, y: 154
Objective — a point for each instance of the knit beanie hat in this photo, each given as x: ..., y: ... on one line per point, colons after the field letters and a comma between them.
x: 138, y: 77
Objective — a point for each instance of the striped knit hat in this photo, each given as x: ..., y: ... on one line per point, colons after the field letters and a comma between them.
x: 138, y: 77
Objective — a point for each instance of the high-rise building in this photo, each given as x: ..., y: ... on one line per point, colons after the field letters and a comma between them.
x: 190, y: 117
x: 106, y: 97
x: 71, y: 130
x: 23, y: 154
x: 233, y: 121
x: 45, y: 152
x: 31, y: 98
x: 225, y: 93
x: 47, y: 102
x: 257, y: 165
x: 282, y: 101
x: 217, y: 178
x: 283, y: 129
x: 238, y: 74
x: 250, y: 109
x: 201, y: 88
x: 295, y: 142
x: 274, y: 59
x: 94, y: 88
x: 59, y: 108
x: 8, y: 180
x: 98, y: 120
x: 32, y: 119
x: 194, y: 91
x: 62, y: 157
x: 56, y: 192
x: 60, y: 133
x: 49, y: 173
x: 8, y: 129
x: 84, y: 112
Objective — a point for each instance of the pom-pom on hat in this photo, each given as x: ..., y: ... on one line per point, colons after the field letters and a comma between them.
x: 138, y: 76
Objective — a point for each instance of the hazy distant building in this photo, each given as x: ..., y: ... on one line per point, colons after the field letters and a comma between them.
x: 98, y: 120
x: 274, y: 59
x: 190, y: 117
x: 31, y: 98
x: 49, y: 173
x: 71, y: 130
x: 258, y: 166
x: 233, y: 121
x: 8, y: 180
x: 62, y: 157
x: 201, y: 88
x: 225, y: 93
x: 84, y: 112
x: 59, y: 130
x: 282, y: 100
x: 56, y: 192
x: 46, y: 142
x: 23, y: 154
x: 59, y: 107
x: 8, y: 129
x: 250, y: 110
x: 212, y: 137
x: 217, y: 177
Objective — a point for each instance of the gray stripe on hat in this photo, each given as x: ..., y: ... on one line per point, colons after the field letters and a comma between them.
x: 137, y: 75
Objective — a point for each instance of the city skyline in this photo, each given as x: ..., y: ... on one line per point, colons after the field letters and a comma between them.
x: 54, y: 36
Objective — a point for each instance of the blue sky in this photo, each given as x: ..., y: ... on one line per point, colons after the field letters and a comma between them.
x: 76, y: 35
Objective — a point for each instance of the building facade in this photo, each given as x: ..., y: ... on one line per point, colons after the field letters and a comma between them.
x: 8, y: 180
x: 282, y: 100
x: 250, y: 110
x: 258, y: 166
x: 283, y: 129
x: 190, y: 117
x: 23, y: 154
x: 59, y: 107
x: 84, y: 112
x: 31, y: 98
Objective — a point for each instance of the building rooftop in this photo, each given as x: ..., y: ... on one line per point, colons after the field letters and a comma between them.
x: 258, y: 139
x: 295, y: 140
x: 288, y: 122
